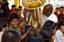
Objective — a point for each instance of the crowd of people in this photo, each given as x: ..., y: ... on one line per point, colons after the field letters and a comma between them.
x: 14, y: 28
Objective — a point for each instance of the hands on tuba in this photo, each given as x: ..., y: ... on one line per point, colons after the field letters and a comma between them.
x: 34, y: 5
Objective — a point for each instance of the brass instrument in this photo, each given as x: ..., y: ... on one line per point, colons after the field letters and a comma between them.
x: 34, y: 5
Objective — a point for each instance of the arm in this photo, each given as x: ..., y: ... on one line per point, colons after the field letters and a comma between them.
x: 24, y: 36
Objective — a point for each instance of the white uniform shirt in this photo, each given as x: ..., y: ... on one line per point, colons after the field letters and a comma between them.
x: 44, y: 18
x: 53, y: 18
x: 59, y: 37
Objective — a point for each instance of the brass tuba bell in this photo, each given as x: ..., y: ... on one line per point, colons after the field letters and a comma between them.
x: 33, y: 4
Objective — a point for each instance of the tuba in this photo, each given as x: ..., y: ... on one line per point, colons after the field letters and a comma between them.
x: 34, y: 5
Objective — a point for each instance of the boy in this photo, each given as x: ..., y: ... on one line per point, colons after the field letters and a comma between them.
x: 14, y: 25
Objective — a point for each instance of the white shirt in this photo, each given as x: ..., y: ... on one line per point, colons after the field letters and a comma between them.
x: 44, y: 18
x: 59, y: 37
x: 53, y: 18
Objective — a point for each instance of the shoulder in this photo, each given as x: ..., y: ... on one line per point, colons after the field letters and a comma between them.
x: 53, y: 17
x: 58, y: 33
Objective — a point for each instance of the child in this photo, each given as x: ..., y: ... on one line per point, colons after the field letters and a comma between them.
x: 14, y: 25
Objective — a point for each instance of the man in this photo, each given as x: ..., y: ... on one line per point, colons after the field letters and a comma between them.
x: 47, y: 14
x: 46, y: 27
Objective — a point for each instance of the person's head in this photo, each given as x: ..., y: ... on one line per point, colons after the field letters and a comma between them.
x: 57, y: 11
x: 10, y: 36
x: 61, y: 26
x: 20, y: 7
x: 18, y: 12
x: 13, y: 7
x: 54, y: 28
x: 62, y: 9
x: 13, y: 20
x: 61, y: 15
x: 47, y: 10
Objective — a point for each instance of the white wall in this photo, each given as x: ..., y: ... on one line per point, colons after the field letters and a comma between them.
x: 11, y: 2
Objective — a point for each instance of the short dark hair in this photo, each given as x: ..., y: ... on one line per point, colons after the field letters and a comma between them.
x: 20, y: 6
x: 10, y: 36
x: 57, y: 7
x: 61, y: 22
x: 13, y: 6
x: 62, y: 7
x: 13, y: 16
x: 50, y: 6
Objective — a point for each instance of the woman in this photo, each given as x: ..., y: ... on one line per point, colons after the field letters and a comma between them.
x: 59, y: 35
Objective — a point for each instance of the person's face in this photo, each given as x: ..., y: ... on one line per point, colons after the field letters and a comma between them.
x: 20, y: 9
x: 47, y: 11
x: 62, y: 28
x: 54, y: 30
x: 18, y: 12
x: 15, y: 23
x: 14, y: 8
x: 57, y: 11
